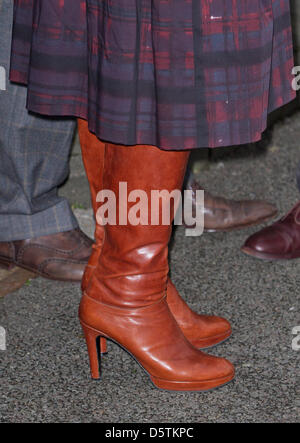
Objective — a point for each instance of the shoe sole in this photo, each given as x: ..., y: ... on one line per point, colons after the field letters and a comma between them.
x: 10, y: 264
x: 237, y: 227
x: 205, y: 386
x: 269, y: 257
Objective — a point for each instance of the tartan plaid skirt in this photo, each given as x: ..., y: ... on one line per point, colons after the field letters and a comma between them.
x: 178, y: 74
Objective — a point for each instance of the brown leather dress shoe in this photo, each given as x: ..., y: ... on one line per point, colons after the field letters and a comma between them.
x: 221, y: 214
x: 61, y: 256
x: 280, y: 241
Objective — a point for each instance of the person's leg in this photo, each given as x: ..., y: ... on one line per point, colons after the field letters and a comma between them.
x: 34, y: 154
x: 201, y: 330
x: 126, y: 297
x: 38, y: 230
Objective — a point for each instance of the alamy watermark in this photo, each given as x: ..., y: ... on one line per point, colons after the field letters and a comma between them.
x: 296, y: 80
x: 2, y: 339
x: 2, y: 79
x: 296, y: 340
x: 159, y: 207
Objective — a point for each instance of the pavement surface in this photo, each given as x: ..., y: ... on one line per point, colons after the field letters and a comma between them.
x: 44, y: 369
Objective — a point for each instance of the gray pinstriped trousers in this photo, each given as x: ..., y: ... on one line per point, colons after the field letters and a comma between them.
x: 34, y: 159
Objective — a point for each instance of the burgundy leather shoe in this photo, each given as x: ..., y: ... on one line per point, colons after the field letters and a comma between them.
x: 280, y: 241
x: 222, y: 215
x: 60, y: 256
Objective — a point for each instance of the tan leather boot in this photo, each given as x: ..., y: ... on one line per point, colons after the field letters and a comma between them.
x: 202, y: 331
x: 92, y: 150
x: 125, y: 300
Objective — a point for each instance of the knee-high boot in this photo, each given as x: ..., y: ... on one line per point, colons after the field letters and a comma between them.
x: 202, y: 331
x: 125, y: 300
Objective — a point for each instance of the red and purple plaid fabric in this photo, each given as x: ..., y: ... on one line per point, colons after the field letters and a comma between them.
x: 178, y: 74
